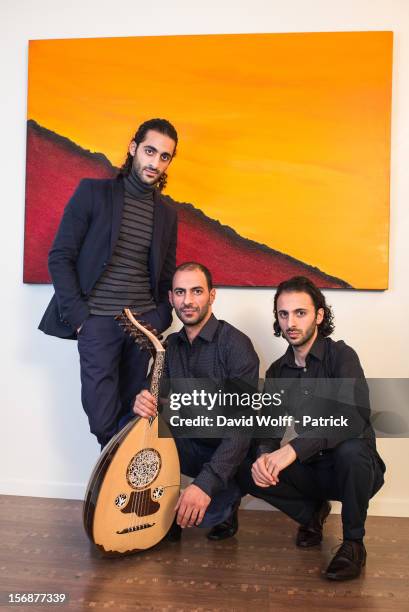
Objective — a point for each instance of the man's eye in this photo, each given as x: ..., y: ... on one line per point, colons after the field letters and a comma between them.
x: 283, y: 315
x: 148, y: 151
x: 198, y: 291
x: 301, y: 313
x: 165, y: 157
x: 178, y: 292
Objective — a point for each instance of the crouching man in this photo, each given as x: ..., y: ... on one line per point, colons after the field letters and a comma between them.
x: 301, y: 475
x: 211, y: 349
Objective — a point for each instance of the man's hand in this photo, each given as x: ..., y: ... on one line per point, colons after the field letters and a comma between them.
x: 145, y: 405
x: 266, y: 469
x: 191, y: 506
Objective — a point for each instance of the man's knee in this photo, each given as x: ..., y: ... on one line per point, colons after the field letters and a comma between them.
x: 191, y: 456
x: 352, y: 454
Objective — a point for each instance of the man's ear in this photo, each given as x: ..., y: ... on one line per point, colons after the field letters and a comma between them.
x: 170, y: 296
x: 320, y: 315
x: 132, y: 148
x: 212, y: 295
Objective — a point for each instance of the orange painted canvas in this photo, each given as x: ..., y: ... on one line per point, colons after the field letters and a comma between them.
x: 284, y: 154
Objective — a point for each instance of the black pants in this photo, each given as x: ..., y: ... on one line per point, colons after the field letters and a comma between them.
x: 113, y: 370
x: 193, y: 454
x: 351, y: 473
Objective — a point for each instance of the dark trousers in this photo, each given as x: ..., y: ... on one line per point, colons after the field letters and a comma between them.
x: 193, y: 454
x: 350, y: 473
x: 113, y: 370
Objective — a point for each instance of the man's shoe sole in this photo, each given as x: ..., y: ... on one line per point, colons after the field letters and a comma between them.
x: 341, y: 578
x: 225, y: 536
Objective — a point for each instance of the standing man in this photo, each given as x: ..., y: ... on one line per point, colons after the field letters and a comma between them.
x: 300, y: 476
x: 205, y: 348
x: 115, y: 248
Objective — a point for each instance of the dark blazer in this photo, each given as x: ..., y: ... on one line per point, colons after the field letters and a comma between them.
x: 84, y: 244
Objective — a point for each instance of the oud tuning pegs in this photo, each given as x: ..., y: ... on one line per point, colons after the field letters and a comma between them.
x: 152, y: 330
x: 139, y: 335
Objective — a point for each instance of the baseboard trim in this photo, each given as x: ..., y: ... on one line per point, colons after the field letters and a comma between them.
x: 379, y: 506
x: 42, y: 488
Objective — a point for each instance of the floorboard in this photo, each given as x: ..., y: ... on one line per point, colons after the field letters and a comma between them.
x: 45, y: 550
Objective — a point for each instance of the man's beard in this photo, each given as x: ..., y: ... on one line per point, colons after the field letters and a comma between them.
x: 138, y: 169
x: 194, y: 321
x: 303, y: 339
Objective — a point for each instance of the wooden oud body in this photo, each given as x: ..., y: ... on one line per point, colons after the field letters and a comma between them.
x: 131, y: 496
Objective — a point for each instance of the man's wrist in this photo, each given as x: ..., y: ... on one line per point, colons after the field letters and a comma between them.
x: 291, y: 450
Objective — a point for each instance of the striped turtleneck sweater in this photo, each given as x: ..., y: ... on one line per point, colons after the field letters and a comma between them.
x: 125, y: 281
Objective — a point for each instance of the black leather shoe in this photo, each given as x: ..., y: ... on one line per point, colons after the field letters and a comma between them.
x: 227, y: 529
x: 348, y: 561
x: 174, y: 534
x: 311, y: 534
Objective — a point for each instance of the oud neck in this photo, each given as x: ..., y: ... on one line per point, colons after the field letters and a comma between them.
x: 158, y: 366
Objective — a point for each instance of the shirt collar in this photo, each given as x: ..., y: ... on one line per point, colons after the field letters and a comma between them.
x: 206, y: 333
x: 318, y: 348
x: 317, y: 351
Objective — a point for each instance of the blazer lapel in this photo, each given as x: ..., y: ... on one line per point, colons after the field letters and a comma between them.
x: 117, y: 208
x: 158, y: 225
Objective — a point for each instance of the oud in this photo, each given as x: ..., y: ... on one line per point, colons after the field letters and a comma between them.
x: 132, y: 492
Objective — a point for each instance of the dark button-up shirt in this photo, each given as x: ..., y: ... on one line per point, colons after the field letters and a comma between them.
x: 326, y: 359
x: 219, y: 352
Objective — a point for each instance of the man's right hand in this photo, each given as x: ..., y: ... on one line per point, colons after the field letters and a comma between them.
x: 145, y: 405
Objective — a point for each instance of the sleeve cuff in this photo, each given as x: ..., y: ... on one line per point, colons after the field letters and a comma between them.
x: 207, y: 483
x: 307, y: 447
x: 267, y: 446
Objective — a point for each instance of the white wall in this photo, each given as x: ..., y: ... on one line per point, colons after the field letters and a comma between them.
x: 46, y: 448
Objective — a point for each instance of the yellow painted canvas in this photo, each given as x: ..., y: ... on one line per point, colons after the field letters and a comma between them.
x: 284, y: 150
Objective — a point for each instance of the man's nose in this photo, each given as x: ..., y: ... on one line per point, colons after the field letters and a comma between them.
x: 188, y: 299
x: 154, y: 161
x: 291, y: 321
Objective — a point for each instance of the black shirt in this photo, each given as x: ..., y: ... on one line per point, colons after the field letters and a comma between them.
x: 219, y: 352
x: 326, y: 359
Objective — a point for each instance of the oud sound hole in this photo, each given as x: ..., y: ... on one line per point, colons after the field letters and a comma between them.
x: 143, y: 468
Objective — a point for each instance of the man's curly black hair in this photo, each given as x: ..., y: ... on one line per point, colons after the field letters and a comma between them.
x: 302, y: 284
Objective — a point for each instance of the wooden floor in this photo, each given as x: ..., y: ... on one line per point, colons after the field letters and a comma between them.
x: 45, y: 550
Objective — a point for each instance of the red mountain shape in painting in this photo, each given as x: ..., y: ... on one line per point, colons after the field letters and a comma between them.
x: 55, y: 165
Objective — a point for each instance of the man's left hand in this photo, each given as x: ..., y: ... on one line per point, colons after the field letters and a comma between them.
x: 280, y: 459
x: 191, y: 506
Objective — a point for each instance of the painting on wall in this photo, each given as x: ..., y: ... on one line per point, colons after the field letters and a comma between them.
x: 284, y: 146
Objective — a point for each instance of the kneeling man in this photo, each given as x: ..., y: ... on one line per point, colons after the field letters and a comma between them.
x: 300, y: 476
x: 205, y: 348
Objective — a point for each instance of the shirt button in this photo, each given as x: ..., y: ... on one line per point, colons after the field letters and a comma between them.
x: 305, y: 369
x: 305, y: 392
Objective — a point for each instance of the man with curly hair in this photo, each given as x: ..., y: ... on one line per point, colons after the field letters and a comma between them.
x: 115, y: 248
x: 300, y: 474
